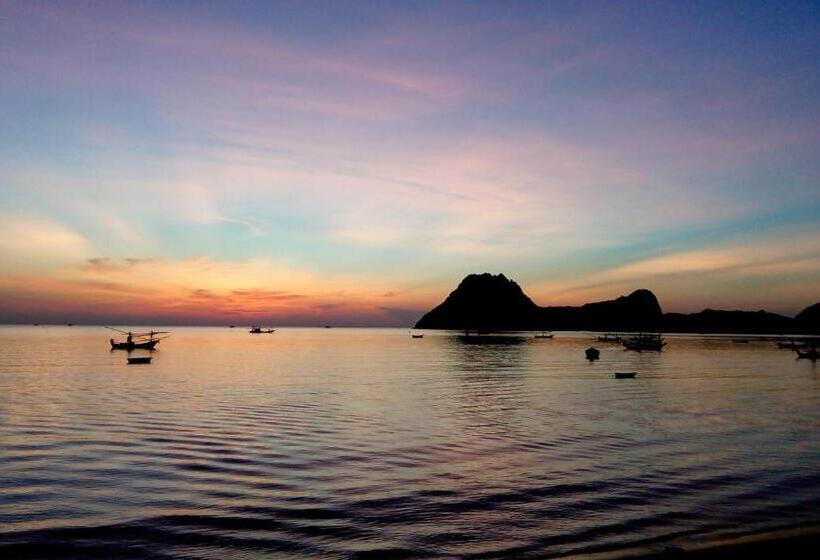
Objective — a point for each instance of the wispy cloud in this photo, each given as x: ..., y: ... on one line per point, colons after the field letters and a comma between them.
x: 39, y: 242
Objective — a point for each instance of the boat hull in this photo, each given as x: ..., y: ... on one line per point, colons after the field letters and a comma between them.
x: 149, y: 345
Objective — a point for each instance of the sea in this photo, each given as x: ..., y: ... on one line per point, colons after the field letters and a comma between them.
x: 367, y: 443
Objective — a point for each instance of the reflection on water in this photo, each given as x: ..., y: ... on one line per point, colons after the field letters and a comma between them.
x: 355, y: 443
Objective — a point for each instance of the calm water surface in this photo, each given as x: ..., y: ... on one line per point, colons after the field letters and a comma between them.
x: 355, y: 443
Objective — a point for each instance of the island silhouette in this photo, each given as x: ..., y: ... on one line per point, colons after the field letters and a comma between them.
x: 492, y: 302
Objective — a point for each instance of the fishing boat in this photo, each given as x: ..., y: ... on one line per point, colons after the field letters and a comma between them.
x: 644, y: 341
x: 484, y: 337
x: 544, y: 334
x: 609, y: 337
x: 147, y: 345
x: 625, y: 374
x: 140, y: 360
x: 592, y: 354
x: 808, y: 354
x: 260, y: 330
x: 137, y: 341
x: 790, y: 344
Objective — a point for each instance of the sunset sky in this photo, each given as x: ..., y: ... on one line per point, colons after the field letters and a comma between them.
x: 349, y: 162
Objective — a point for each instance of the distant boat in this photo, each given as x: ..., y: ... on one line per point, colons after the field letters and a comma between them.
x: 484, y: 337
x: 592, y: 354
x: 260, y: 330
x: 544, y: 334
x: 232, y: 327
x: 609, y: 337
x: 790, y: 344
x: 625, y: 374
x: 644, y: 341
x: 740, y: 340
x: 417, y: 336
x: 808, y: 354
x: 140, y: 360
x: 327, y: 326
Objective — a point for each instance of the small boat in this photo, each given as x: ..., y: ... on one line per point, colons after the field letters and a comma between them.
x: 625, y: 374
x: 808, y: 354
x: 147, y: 345
x: 484, y: 337
x: 136, y: 341
x: 544, y: 334
x: 790, y: 344
x: 140, y: 360
x: 644, y: 341
x: 260, y: 330
x: 592, y: 354
x: 741, y: 340
x: 609, y: 337
x: 416, y: 336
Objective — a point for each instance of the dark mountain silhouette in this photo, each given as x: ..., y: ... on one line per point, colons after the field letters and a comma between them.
x: 484, y: 302
x: 639, y: 310
x: 716, y: 321
x: 492, y: 302
x: 495, y: 303
x: 809, y: 318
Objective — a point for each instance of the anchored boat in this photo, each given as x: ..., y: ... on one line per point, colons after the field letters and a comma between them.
x: 609, y: 337
x: 260, y: 330
x: 644, y: 341
x: 808, y: 354
x: 485, y: 337
x: 137, y: 341
x: 146, y: 345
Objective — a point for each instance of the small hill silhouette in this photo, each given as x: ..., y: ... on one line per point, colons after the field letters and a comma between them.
x: 809, y: 318
x: 637, y: 311
x: 484, y: 301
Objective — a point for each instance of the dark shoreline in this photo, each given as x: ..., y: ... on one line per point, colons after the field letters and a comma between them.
x: 796, y: 542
